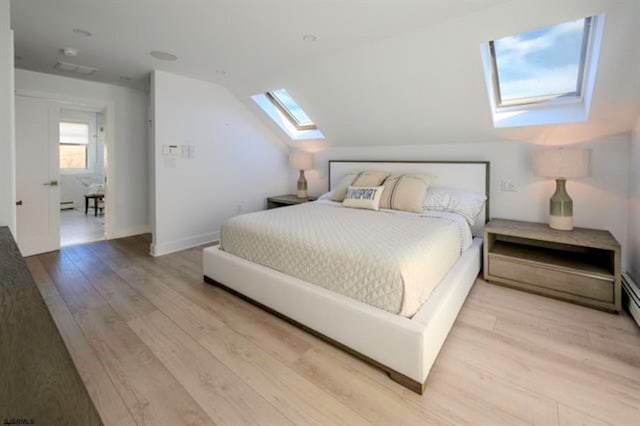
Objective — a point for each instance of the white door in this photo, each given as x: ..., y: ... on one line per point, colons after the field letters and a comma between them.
x: 37, y: 175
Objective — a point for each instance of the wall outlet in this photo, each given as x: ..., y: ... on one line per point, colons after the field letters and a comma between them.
x: 509, y: 186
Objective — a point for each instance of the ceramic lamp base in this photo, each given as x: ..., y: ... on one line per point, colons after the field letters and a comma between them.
x: 561, y: 223
x: 561, y: 208
x: 302, y: 186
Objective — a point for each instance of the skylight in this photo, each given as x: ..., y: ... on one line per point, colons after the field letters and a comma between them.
x: 543, y: 76
x: 294, y: 113
x: 542, y: 65
x: 287, y: 115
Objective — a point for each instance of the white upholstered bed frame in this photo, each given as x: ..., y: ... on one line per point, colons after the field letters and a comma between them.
x: 404, y: 347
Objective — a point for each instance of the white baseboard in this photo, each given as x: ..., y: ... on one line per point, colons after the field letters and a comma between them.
x: 160, y: 249
x: 632, y: 297
x: 129, y: 232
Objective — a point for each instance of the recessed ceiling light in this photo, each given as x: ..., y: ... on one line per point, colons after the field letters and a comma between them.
x: 309, y: 38
x: 163, y: 56
x: 68, y: 51
x: 221, y: 72
x: 82, y: 32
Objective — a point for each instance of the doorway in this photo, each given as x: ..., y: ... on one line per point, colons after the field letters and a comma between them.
x: 82, y: 176
x: 62, y: 146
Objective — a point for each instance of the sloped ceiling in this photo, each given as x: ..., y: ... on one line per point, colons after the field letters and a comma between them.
x: 427, y: 86
x: 382, y: 72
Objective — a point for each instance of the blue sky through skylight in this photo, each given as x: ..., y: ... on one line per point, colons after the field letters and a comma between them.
x: 543, y: 62
x: 294, y: 109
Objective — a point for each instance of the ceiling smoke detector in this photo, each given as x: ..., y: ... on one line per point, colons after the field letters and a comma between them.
x: 74, y: 68
x: 69, y: 51
x: 163, y: 56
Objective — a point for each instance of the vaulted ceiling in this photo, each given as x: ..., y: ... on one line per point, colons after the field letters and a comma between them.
x: 381, y: 72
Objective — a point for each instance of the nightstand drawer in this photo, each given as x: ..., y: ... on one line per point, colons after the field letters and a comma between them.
x: 594, y: 287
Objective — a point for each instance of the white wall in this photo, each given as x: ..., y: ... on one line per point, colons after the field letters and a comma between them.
x: 238, y: 162
x: 634, y: 205
x: 7, y: 147
x: 130, y: 152
x: 600, y: 201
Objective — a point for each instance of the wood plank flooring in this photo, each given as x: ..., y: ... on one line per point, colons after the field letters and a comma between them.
x: 156, y: 345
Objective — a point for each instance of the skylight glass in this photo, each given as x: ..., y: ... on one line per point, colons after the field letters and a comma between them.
x: 541, y: 65
x: 283, y: 101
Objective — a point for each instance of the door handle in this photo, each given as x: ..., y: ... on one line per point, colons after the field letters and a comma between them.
x: 51, y: 183
x: 19, y: 203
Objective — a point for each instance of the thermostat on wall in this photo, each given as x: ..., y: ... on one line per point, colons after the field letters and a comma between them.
x: 171, y: 150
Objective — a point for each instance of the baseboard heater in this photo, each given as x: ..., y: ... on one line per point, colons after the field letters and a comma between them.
x: 67, y: 205
x: 631, y: 297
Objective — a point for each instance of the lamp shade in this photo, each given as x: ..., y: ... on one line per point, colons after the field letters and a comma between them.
x: 301, y: 160
x: 562, y: 163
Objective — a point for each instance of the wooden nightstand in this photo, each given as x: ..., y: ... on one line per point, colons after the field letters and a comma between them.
x: 286, y: 200
x: 582, y: 266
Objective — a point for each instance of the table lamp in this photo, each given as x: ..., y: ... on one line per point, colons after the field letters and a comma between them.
x: 302, y: 161
x: 561, y: 164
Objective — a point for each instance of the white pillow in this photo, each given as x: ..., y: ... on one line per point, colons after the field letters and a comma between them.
x: 326, y: 196
x: 363, y: 197
x: 465, y: 203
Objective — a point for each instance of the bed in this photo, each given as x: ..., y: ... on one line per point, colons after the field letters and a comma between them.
x: 384, y: 285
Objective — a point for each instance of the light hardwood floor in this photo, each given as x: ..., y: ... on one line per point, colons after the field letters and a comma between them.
x: 76, y: 227
x: 156, y: 345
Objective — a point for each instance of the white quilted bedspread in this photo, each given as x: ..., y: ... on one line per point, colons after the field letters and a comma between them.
x: 387, y: 259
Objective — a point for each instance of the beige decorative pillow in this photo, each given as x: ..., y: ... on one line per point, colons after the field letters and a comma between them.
x: 341, y: 190
x: 405, y: 192
x: 363, y: 197
x: 370, y: 178
x: 366, y: 178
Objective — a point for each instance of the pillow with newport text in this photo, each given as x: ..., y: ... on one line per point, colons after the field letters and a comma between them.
x: 363, y: 197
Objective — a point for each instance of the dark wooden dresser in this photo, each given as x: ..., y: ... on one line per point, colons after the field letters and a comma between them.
x: 39, y: 383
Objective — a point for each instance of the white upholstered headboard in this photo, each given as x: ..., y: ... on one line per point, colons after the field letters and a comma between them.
x: 469, y: 175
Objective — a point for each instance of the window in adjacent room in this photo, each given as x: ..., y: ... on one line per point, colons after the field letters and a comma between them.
x: 541, y: 66
x: 74, y: 141
x: 290, y: 108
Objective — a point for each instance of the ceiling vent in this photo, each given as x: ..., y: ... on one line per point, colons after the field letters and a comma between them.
x: 73, y: 68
